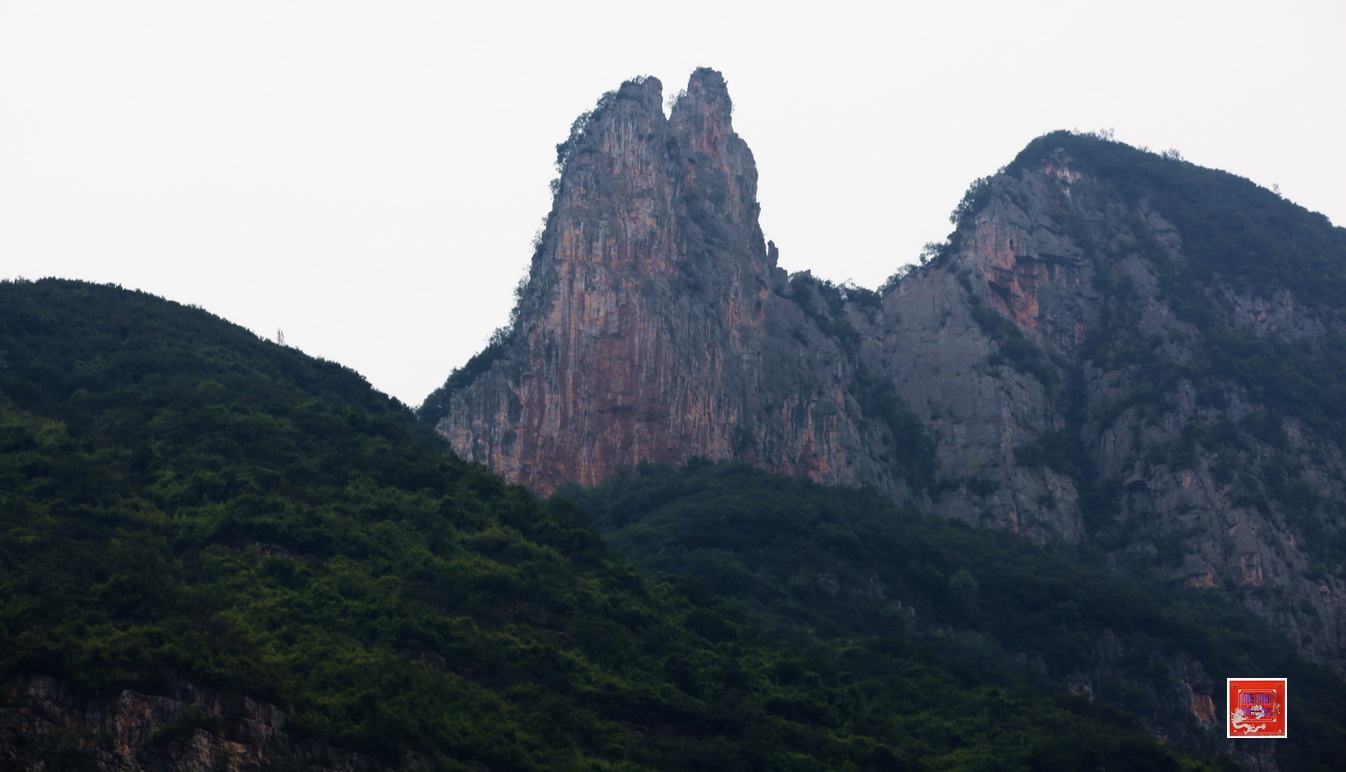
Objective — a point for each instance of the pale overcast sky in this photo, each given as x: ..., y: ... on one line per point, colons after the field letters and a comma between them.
x: 368, y: 176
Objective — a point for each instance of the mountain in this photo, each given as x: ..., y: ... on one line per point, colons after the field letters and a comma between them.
x: 1119, y: 353
x: 218, y: 553
x: 823, y: 567
x: 651, y: 252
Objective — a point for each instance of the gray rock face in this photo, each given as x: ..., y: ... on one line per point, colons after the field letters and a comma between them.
x: 1106, y: 431
x: 44, y: 725
x: 1045, y: 373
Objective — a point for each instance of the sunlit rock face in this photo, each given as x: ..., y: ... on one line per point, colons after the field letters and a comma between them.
x: 1030, y: 377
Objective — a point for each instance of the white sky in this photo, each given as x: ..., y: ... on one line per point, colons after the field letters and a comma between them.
x: 368, y: 176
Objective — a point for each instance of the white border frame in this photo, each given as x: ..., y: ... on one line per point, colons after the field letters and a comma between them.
x: 1285, y: 709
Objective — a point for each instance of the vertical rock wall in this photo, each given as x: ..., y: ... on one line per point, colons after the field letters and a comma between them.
x: 1036, y: 363
x: 643, y: 333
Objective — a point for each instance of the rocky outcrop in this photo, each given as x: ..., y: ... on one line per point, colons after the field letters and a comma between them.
x: 1054, y: 370
x: 1052, y: 353
x: 46, y: 725
x: 645, y: 331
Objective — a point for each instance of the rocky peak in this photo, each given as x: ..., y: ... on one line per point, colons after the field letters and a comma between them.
x: 705, y: 102
x: 719, y: 175
x: 702, y: 114
x: 1087, y: 365
x: 1073, y: 366
x: 645, y: 297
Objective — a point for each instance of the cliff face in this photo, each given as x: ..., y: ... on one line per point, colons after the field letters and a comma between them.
x: 45, y: 725
x: 1091, y: 382
x: 644, y: 329
x: 1083, y: 363
x: 639, y: 328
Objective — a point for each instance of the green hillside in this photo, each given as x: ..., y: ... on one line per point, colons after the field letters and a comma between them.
x: 182, y: 503
x: 825, y: 568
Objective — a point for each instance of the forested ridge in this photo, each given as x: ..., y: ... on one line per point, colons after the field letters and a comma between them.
x: 182, y: 503
x: 821, y: 566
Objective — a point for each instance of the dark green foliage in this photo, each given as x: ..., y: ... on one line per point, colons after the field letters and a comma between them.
x: 1060, y: 450
x: 183, y: 503
x: 1235, y: 237
x: 862, y: 297
x: 825, y: 303
x: 1304, y: 379
x: 1012, y: 347
x: 973, y: 201
x: 953, y: 609
x: 436, y: 406
x: 907, y: 447
x: 1230, y: 227
x: 579, y: 140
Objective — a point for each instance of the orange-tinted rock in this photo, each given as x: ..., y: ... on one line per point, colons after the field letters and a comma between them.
x: 643, y: 334
x: 1203, y: 707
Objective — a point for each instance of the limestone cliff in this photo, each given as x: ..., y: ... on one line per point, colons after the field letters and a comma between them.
x: 1084, y: 362
x: 1106, y: 388
x: 650, y: 325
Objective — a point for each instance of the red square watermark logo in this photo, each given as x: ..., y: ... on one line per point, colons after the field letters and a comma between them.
x: 1256, y: 707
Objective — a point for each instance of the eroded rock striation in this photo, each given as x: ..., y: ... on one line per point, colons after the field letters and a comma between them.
x: 652, y: 316
x: 1093, y: 359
